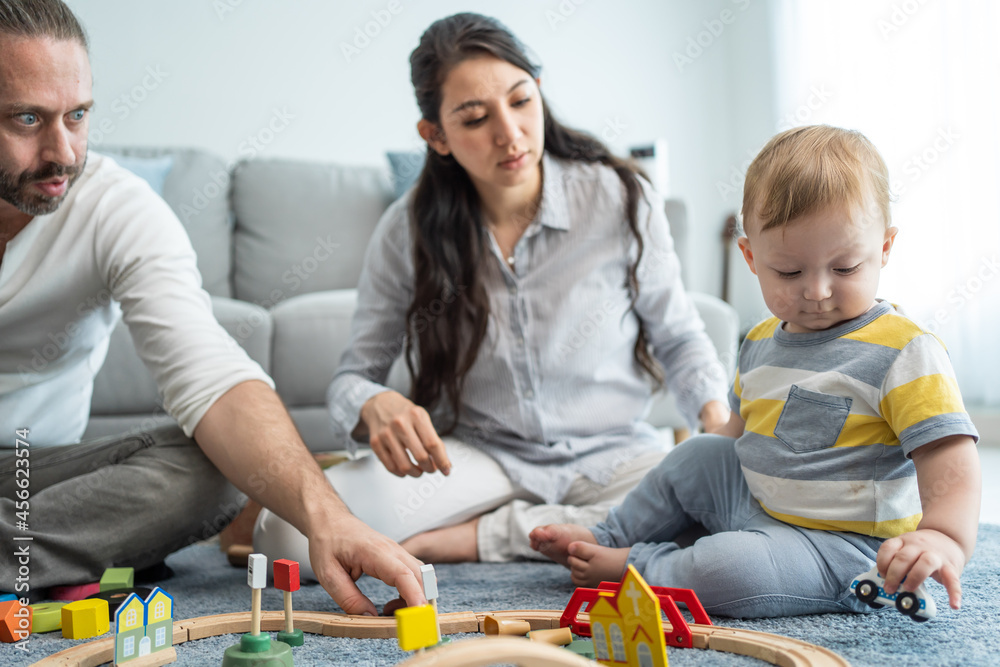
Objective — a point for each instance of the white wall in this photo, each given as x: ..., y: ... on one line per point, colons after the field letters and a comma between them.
x: 230, y: 71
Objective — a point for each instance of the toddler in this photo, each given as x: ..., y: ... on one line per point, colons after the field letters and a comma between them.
x: 848, y: 441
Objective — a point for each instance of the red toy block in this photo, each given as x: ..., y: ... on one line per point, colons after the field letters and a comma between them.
x: 74, y: 593
x: 286, y: 575
x: 15, y: 621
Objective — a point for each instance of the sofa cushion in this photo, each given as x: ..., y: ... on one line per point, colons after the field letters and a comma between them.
x: 153, y: 170
x: 310, y: 334
x: 197, y: 189
x: 302, y: 227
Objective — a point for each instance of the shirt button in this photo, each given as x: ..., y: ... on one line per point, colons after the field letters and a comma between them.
x: 529, y: 394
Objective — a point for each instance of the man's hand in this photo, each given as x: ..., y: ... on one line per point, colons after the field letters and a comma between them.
x: 249, y: 436
x: 921, y: 554
x: 346, y: 548
x: 398, y: 430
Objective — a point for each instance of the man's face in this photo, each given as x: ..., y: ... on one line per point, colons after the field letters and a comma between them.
x: 45, y: 99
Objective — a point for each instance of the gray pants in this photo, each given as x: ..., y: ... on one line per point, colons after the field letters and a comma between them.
x: 751, y: 564
x: 121, y: 501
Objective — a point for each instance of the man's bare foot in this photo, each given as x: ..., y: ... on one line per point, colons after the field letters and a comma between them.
x: 240, y: 530
x: 554, y: 539
x: 590, y: 564
x: 454, y: 544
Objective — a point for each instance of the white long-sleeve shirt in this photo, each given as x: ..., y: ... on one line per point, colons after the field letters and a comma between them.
x: 113, y: 242
x: 555, y: 391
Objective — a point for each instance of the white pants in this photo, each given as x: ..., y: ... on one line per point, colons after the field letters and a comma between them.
x: 401, y: 507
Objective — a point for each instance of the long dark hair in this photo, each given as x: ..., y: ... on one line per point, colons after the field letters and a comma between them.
x: 449, y: 241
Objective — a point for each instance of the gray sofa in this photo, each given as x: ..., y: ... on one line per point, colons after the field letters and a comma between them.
x: 280, y: 245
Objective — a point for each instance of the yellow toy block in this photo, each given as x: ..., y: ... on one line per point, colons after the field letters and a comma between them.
x: 85, y: 618
x: 416, y: 627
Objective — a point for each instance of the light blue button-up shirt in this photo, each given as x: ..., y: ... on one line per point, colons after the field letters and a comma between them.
x: 555, y: 391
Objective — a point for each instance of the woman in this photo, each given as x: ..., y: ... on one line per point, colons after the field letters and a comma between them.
x: 530, y: 281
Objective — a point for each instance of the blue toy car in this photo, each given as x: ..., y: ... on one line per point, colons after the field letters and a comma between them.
x: 870, y: 589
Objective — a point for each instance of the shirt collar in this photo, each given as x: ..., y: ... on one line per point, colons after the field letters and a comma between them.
x: 553, y: 211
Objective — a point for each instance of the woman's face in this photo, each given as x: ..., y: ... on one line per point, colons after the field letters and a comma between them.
x: 491, y: 122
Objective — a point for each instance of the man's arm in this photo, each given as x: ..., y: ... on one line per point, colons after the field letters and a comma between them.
x: 950, y: 486
x: 249, y: 436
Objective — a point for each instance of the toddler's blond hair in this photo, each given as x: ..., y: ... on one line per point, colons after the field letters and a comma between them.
x: 806, y: 169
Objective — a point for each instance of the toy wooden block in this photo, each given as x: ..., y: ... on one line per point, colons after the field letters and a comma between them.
x: 626, y: 625
x: 430, y: 582
x: 144, y: 626
x: 15, y: 621
x: 416, y: 627
x: 286, y: 575
x: 557, y: 636
x: 84, y: 619
x: 46, y: 616
x: 255, y: 648
x: 74, y: 593
x: 493, y: 625
x: 286, y: 579
x: 115, y: 578
x: 7, y: 597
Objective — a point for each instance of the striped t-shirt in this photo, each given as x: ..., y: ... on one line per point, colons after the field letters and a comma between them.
x: 832, y: 417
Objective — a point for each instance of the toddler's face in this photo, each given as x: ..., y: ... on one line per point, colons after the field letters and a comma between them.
x: 821, y: 269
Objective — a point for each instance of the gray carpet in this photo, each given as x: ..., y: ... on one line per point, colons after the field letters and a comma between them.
x: 205, y: 584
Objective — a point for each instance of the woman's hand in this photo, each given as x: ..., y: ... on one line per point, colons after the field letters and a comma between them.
x: 714, y: 416
x: 400, y: 432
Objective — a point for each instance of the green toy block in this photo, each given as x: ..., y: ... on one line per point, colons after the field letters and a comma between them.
x: 117, y: 577
x: 256, y: 650
x: 293, y: 638
x: 584, y: 647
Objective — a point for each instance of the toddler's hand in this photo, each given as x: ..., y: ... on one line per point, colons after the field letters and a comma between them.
x: 921, y: 554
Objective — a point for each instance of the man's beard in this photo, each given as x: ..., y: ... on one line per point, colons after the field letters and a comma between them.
x: 17, y: 190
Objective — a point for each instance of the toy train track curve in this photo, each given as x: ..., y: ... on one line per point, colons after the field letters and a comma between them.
x: 773, y: 649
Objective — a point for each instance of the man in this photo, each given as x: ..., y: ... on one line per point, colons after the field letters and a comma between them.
x: 72, y: 230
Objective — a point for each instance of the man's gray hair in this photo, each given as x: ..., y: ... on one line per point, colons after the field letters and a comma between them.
x: 40, y: 18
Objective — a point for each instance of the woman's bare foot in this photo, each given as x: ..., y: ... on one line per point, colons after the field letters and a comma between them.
x: 590, y: 564
x: 554, y: 539
x: 454, y: 544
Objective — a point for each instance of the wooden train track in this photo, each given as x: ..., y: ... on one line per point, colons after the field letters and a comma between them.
x: 773, y: 649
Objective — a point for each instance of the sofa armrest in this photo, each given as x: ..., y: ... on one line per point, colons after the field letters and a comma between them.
x: 311, y: 332
x: 722, y: 324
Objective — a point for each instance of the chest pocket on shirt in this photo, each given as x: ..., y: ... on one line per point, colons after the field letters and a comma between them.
x: 811, y: 421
